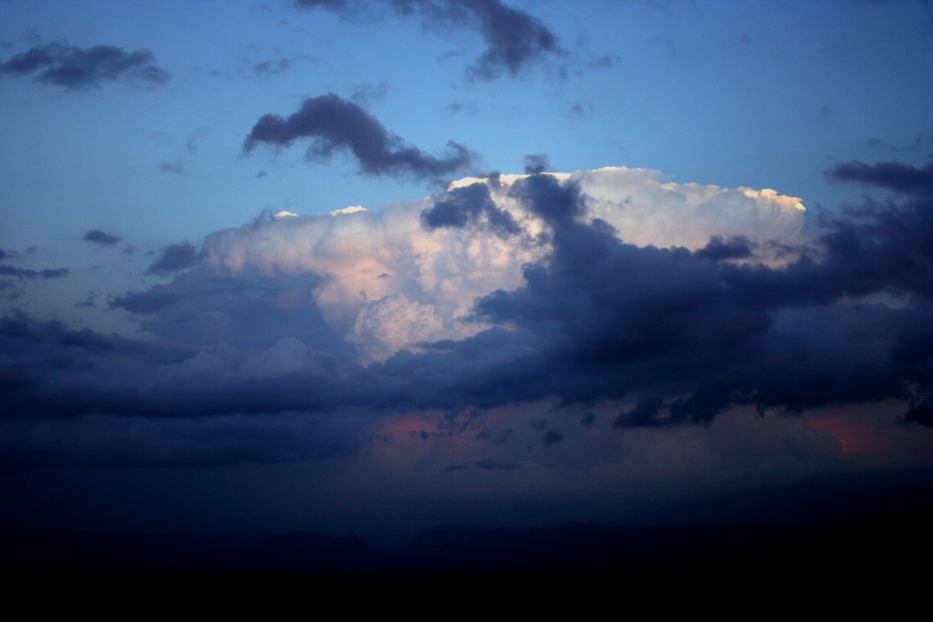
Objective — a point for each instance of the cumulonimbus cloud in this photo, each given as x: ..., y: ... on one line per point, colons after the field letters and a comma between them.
x: 393, y: 311
x: 332, y: 123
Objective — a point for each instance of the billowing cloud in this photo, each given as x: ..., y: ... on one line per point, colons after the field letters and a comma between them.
x: 100, y: 237
x: 435, y: 257
x: 514, y: 39
x: 332, y: 123
x: 383, y: 313
x: 78, y: 68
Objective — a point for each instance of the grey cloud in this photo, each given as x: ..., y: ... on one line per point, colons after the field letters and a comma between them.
x: 514, y: 39
x: 78, y: 68
x: 174, y: 258
x: 332, y: 123
x: 100, y: 237
x: 889, y: 175
x: 27, y: 273
x: 468, y: 205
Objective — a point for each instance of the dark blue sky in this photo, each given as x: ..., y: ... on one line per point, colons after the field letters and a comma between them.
x: 242, y: 289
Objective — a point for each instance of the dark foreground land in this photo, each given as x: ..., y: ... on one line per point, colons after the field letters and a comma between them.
x: 890, y: 549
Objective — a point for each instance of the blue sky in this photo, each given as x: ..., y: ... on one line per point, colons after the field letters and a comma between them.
x: 764, y: 94
x: 403, y: 315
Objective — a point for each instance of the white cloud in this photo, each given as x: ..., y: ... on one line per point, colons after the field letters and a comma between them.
x: 388, y: 283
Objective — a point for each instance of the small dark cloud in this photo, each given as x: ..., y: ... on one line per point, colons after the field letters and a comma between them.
x: 515, y: 40
x: 552, y: 437
x: 174, y: 258
x: 27, y: 273
x: 468, y: 205
x: 457, y: 108
x: 103, y: 238
x: 579, y: 109
x: 895, y: 176
x: 172, y: 167
x: 537, y: 163
x: 603, y: 62
x: 588, y: 420
x: 76, y: 68
x: 333, y: 123
x: 271, y: 67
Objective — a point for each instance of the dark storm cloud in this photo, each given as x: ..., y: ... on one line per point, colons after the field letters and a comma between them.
x: 332, y: 123
x: 174, y: 258
x: 19, y: 326
x: 601, y: 319
x: 718, y: 249
x: 644, y: 413
x: 889, y: 175
x: 100, y: 237
x: 78, y: 68
x: 514, y: 39
x: 467, y: 205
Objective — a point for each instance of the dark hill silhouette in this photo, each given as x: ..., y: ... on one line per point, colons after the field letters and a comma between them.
x: 839, y: 550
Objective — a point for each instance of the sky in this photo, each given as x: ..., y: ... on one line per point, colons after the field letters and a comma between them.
x: 373, y: 267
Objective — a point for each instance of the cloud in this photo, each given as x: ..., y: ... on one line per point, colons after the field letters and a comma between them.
x: 27, y: 273
x: 718, y: 249
x: 271, y: 67
x: 537, y: 163
x: 374, y: 312
x: 333, y: 124
x: 174, y: 258
x: 466, y: 205
x: 17, y: 325
x: 100, y: 237
x: 78, y: 68
x: 514, y: 39
x: 895, y: 176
